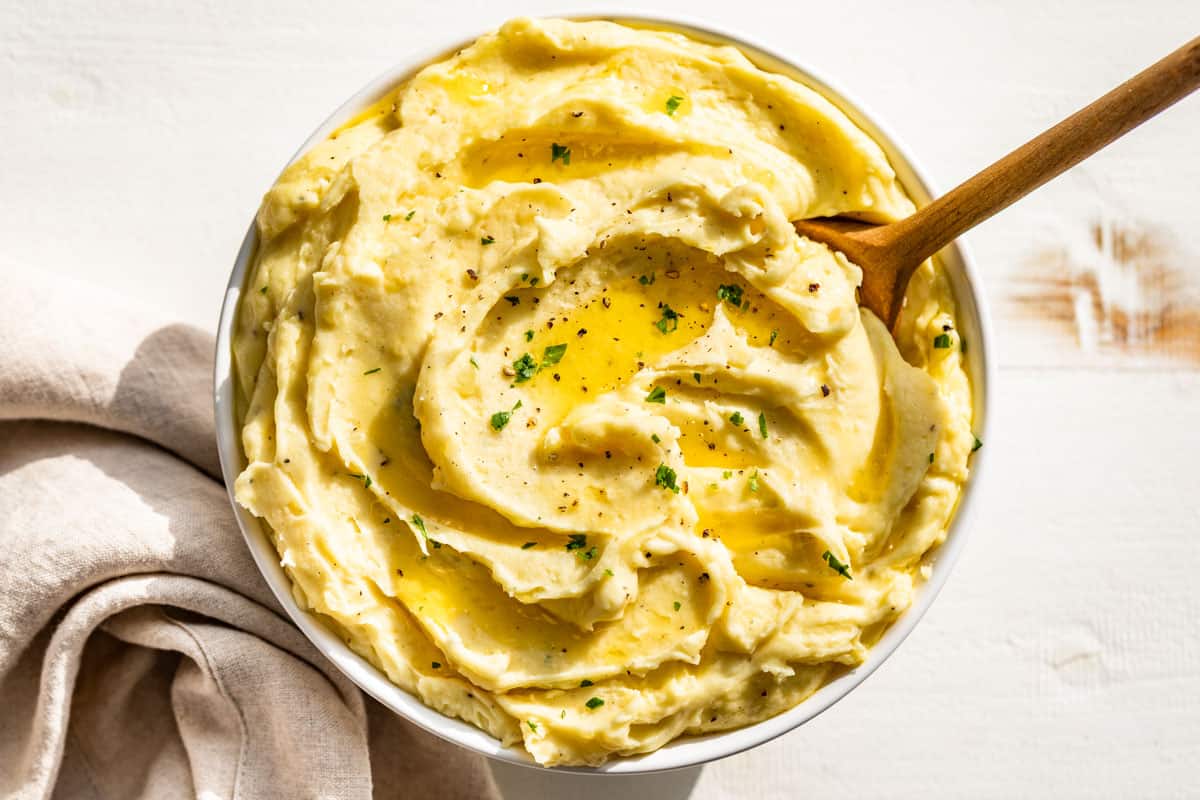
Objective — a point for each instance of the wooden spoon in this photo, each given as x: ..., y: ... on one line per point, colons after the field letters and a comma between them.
x: 889, y: 254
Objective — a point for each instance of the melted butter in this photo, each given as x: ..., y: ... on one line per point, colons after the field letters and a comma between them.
x: 381, y: 108
x: 622, y: 336
x: 536, y: 155
x: 462, y: 87
x: 702, y: 447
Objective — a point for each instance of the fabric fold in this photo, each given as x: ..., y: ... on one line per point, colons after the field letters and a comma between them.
x: 141, y: 653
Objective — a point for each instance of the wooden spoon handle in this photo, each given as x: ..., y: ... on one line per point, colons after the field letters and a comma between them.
x: 919, y: 236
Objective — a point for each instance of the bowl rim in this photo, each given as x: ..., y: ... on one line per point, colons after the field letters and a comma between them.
x: 974, y: 319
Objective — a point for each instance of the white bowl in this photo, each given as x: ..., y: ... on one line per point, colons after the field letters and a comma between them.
x: 973, y: 322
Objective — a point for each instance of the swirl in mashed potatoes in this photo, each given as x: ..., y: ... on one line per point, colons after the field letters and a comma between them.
x: 555, y: 418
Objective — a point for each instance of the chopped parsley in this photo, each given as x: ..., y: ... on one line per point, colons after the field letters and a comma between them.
x: 559, y: 152
x: 654, y: 438
x: 578, y: 541
x: 942, y: 341
x: 408, y: 217
x: 263, y: 290
x: 736, y: 418
x: 372, y: 371
x: 696, y: 377
x: 727, y: 474
x: 486, y: 240
x: 532, y: 725
x: 646, y: 280
x: 664, y: 476
x: 962, y: 344
x: 669, y: 321
x: 420, y: 523
x: 762, y: 424
x: 513, y: 299
x: 474, y: 363
x: 553, y: 354
x: 501, y: 418
x: 774, y: 336
x: 678, y: 605
x: 657, y: 395
x: 731, y: 293
x: 978, y: 444
x: 387, y: 217
x: 594, y: 703
x: 673, y: 103
x: 753, y: 481
x: 528, y: 545
x: 435, y: 664
x: 589, y: 554
x: 525, y: 367
x: 836, y: 566
x: 529, y: 336
x: 608, y: 572
x: 583, y: 684
x: 366, y: 479
x: 931, y: 458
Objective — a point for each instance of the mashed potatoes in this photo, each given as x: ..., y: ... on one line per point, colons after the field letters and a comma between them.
x: 555, y: 418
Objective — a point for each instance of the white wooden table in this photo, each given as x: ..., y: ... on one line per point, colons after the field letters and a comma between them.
x: 1063, y: 658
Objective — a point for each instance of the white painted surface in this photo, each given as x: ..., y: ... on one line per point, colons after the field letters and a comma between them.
x: 1063, y: 658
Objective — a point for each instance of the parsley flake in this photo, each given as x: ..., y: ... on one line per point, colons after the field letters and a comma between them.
x: 646, y: 280
x: 669, y: 321
x: 753, y: 481
x: 657, y: 395
x: 583, y: 684
x: 594, y: 703
x: 578, y: 541
x: 387, y: 217
x: 696, y: 377
x: 372, y: 371
x: 513, y: 299
x: 263, y: 290
x: 408, y: 217
x: 836, y: 566
x: 673, y: 103
x: 654, y: 438
x: 366, y: 479
x: 474, y: 363
x: 736, y: 418
x: 501, y: 418
x: 553, y: 354
x: 664, y: 476
x: 486, y: 240
x: 532, y: 725
x: 435, y: 664
x: 942, y: 341
x: 762, y: 424
x: 731, y: 293
x: 529, y: 336
x: 557, y: 152
x: 978, y: 444
x: 528, y: 545
x: 678, y: 605
x: 774, y: 336
x: 525, y: 367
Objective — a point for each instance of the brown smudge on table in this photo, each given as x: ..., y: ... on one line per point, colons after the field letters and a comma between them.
x: 1126, y: 289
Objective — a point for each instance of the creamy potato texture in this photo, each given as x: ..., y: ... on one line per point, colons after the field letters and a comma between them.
x: 554, y: 417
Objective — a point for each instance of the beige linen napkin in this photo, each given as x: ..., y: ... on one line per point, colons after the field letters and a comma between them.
x: 141, y: 654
